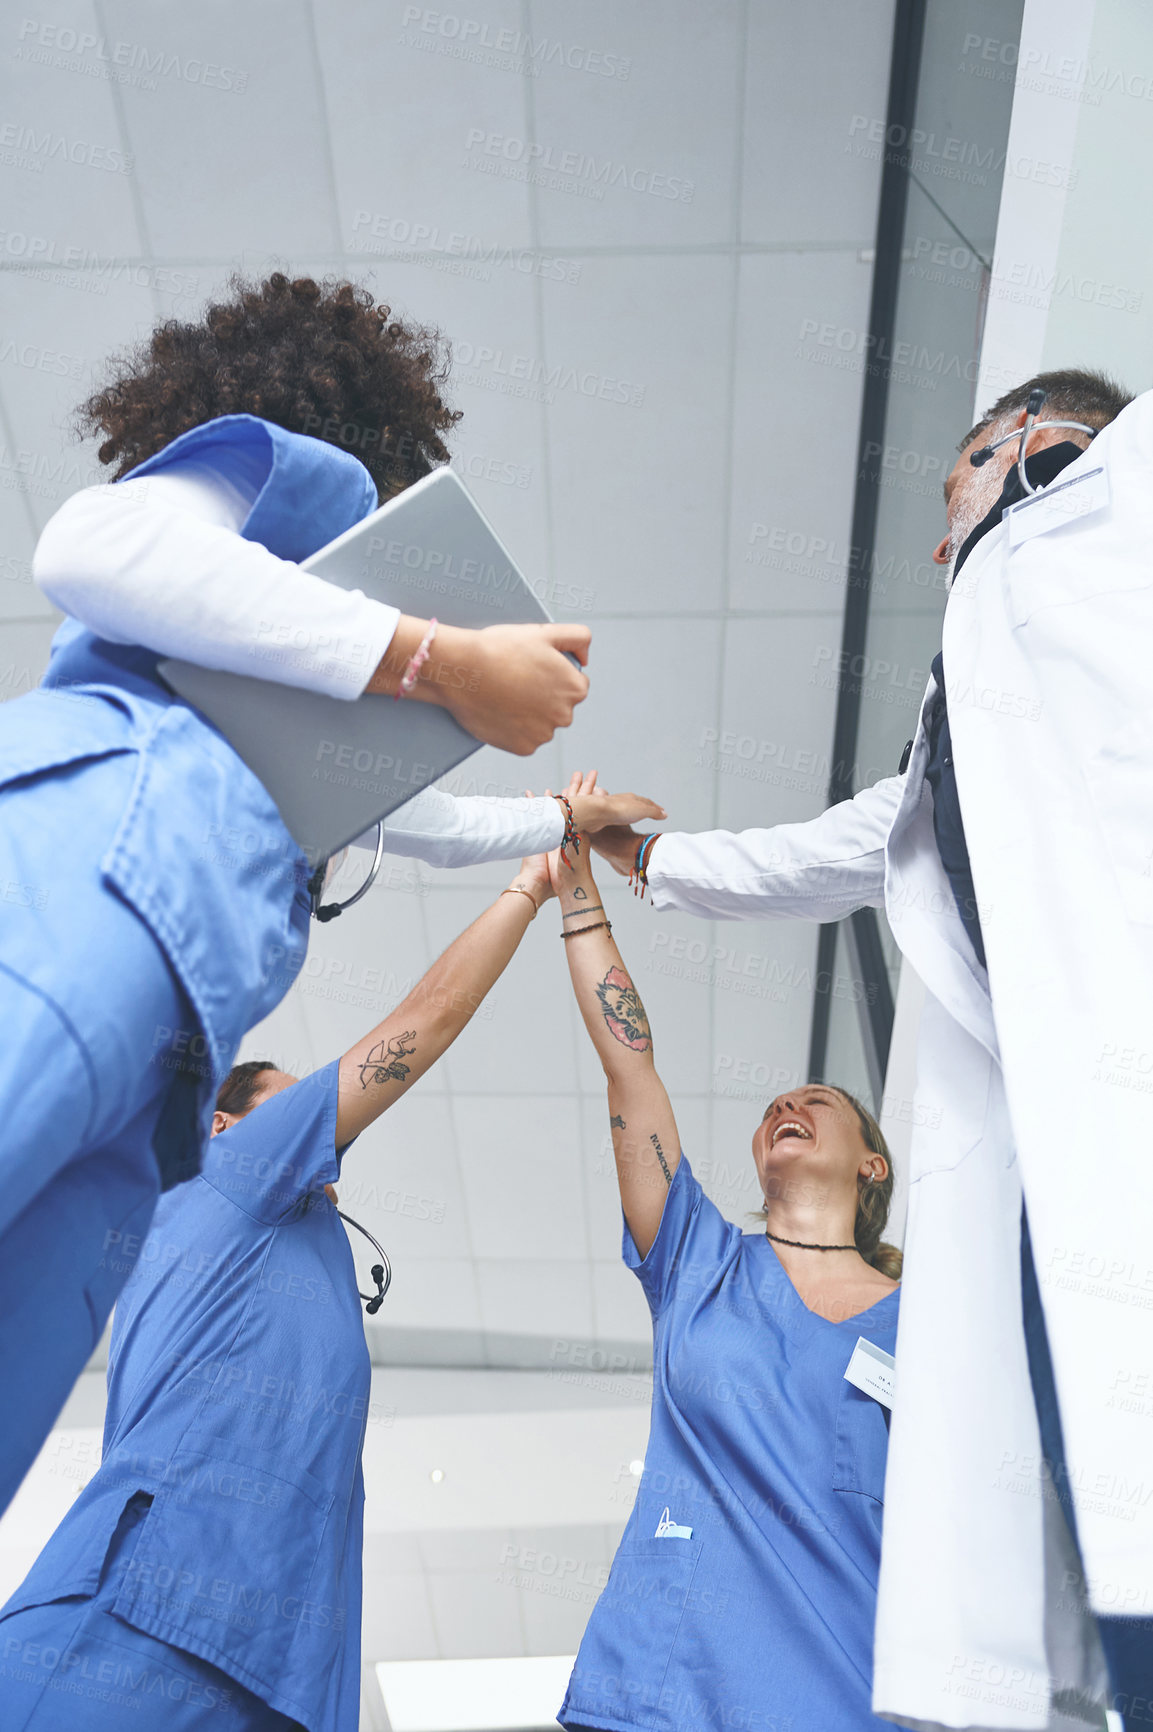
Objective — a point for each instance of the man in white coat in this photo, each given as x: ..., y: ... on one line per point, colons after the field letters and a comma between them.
x: 1018, y: 882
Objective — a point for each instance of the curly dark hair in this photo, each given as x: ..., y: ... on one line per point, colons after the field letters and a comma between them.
x: 317, y: 358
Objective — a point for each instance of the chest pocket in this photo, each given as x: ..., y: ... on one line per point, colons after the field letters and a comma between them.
x: 649, y: 1591
x: 862, y: 1444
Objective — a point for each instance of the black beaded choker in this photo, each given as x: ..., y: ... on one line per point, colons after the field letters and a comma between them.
x: 800, y: 1245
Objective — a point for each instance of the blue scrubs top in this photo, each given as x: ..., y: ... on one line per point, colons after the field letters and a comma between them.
x: 233, y: 924
x: 238, y: 1394
x: 743, y: 1593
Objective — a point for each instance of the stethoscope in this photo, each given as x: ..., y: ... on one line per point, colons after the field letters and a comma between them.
x: 1032, y: 425
x: 381, y: 1272
x: 330, y: 910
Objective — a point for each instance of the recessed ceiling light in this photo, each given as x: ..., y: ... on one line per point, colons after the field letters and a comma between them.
x: 436, y: 1475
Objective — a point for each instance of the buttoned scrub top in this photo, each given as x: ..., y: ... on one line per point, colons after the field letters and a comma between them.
x: 238, y: 1395
x: 743, y: 1591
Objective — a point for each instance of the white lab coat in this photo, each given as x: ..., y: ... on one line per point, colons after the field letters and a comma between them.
x: 1036, y: 1078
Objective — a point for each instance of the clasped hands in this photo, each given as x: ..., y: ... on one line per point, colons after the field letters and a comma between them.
x: 603, y: 821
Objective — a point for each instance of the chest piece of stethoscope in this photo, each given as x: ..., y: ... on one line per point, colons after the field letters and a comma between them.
x: 381, y: 1272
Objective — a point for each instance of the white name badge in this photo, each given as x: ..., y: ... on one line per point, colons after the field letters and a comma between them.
x: 1059, y: 504
x: 873, y: 1370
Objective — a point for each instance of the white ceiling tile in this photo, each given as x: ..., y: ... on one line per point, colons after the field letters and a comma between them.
x: 25, y: 656
x: 764, y: 989
x: 654, y: 694
x: 401, y: 1180
x: 68, y: 173
x: 561, y: 1303
x: 770, y: 759
x: 625, y: 156
x: 19, y: 596
x: 459, y: 1551
x: 638, y: 430
x: 431, y: 1293
x: 796, y: 412
x: 524, y: 1029
x: 407, y: 102
x: 227, y: 127
x: 473, y: 1618
x: 808, y: 121
x: 360, y: 967
x: 398, y: 1616
x: 55, y: 350
x: 519, y: 1159
x: 555, y: 1609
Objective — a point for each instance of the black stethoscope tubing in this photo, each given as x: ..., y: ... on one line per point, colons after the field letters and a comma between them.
x: 330, y: 910
x: 381, y: 1272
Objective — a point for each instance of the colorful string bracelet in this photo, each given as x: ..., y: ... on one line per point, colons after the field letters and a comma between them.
x: 639, y: 876
x: 571, y: 838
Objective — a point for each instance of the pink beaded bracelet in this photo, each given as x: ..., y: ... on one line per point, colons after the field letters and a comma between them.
x: 417, y: 662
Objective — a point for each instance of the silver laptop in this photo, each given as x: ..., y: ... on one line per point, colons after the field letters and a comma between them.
x: 335, y: 767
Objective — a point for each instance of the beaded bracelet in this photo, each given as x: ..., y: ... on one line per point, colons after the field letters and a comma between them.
x: 571, y: 838
x: 417, y: 662
x: 596, y: 928
x: 639, y: 876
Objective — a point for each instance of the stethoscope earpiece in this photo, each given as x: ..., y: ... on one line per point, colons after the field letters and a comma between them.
x: 1032, y: 425
x: 381, y: 1272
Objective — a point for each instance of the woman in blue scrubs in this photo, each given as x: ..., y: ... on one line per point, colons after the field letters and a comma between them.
x: 743, y: 1591
x: 135, y: 949
x: 209, y: 1575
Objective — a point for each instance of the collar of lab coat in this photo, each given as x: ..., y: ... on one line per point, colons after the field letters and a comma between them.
x: 310, y: 493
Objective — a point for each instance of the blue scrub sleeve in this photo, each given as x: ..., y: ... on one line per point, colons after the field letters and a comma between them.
x: 692, y: 1242
x: 280, y: 1151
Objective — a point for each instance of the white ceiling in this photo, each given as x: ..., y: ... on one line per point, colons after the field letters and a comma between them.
x: 647, y: 518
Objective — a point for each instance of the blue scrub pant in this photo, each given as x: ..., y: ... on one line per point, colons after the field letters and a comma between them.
x: 88, y: 1005
x: 74, y: 1666
x: 1127, y: 1642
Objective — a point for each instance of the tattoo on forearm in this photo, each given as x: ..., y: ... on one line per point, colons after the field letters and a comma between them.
x: 624, y: 1013
x: 573, y: 912
x: 655, y: 1141
x: 580, y: 894
x: 383, y: 1063
x: 617, y: 1122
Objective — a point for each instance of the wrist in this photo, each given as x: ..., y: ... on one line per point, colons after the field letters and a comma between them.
x: 522, y: 892
x: 449, y: 670
x: 579, y: 892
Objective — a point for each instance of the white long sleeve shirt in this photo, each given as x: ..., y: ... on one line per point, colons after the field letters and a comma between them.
x: 159, y: 562
x: 819, y: 870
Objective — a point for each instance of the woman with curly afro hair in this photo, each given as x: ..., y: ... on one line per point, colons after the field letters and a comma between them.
x: 162, y: 907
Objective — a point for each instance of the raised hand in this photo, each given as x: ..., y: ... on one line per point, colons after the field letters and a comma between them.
x: 594, y: 809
